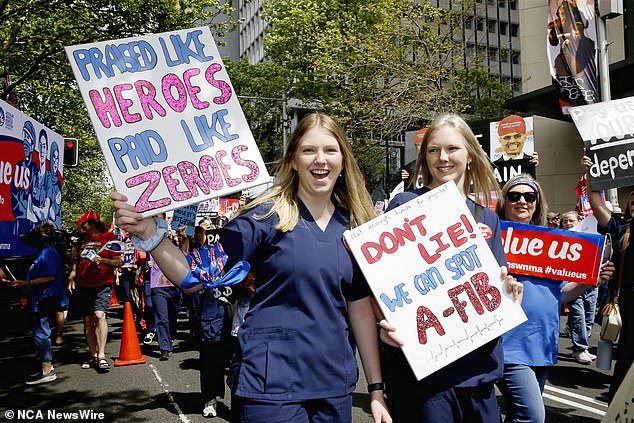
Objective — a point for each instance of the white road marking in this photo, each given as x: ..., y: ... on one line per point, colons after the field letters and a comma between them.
x: 181, y: 416
x: 557, y: 394
x: 577, y: 396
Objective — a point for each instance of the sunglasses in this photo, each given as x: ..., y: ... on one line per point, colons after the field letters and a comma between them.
x: 514, y: 197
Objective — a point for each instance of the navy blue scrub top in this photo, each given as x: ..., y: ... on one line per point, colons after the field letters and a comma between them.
x: 295, y: 343
x: 486, y: 363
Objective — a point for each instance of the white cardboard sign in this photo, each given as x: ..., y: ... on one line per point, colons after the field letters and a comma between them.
x: 434, y: 278
x: 167, y: 118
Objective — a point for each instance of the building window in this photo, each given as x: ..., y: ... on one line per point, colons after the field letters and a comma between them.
x: 492, y: 52
x: 504, y: 28
x: 468, y: 23
x: 502, y: 4
x: 504, y: 55
x: 480, y: 24
x: 515, y: 57
x: 491, y: 26
x: 513, y: 4
x: 517, y: 84
x: 515, y: 29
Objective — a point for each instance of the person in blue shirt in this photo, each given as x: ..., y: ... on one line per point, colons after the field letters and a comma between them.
x: 46, y: 295
x: 23, y: 181
x: 532, y: 347
x: 464, y: 390
x: 54, y: 188
x: 295, y: 354
x: 40, y: 201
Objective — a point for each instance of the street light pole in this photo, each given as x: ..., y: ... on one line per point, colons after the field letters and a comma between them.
x: 604, y: 78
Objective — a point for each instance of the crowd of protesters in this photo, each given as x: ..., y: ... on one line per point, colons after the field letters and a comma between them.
x: 285, y: 367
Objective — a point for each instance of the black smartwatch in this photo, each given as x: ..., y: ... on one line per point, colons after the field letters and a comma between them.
x: 376, y: 387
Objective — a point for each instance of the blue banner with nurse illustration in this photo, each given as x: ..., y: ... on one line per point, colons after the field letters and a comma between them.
x: 572, y: 52
x: 167, y: 118
x: 30, y: 178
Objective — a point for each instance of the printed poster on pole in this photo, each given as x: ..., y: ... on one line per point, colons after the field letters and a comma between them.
x: 434, y: 278
x: 167, y: 118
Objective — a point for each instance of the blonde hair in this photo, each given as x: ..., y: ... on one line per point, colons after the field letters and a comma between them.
x: 349, y: 192
x: 541, y: 208
x: 479, y: 177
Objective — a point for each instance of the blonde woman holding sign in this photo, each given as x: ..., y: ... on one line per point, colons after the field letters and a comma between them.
x: 463, y: 390
x: 294, y: 358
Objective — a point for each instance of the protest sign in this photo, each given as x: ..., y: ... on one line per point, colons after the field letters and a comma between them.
x: 185, y: 216
x: 167, y: 118
x: 30, y: 178
x: 559, y: 254
x: 434, y: 278
x: 607, y: 130
x: 622, y: 405
x: 511, y: 145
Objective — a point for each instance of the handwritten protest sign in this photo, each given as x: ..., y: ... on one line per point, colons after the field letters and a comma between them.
x: 435, y: 278
x: 552, y: 253
x: 185, y: 216
x: 31, y: 169
x: 607, y: 130
x: 167, y: 118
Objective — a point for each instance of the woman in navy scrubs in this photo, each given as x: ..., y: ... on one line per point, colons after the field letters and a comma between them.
x: 294, y: 358
x: 464, y: 390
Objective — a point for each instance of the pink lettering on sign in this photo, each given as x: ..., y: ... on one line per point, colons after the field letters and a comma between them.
x: 176, y: 93
x: 211, y: 174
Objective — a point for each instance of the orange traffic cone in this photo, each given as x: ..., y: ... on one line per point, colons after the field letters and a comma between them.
x: 114, y: 302
x: 130, y: 352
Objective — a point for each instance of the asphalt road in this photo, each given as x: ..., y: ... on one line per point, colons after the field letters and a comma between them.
x: 168, y: 391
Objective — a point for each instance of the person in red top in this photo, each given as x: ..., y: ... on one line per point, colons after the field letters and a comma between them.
x: 90, y: 281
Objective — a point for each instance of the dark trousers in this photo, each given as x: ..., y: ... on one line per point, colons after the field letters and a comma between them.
x: 165, y: 301
x: 411, y: 401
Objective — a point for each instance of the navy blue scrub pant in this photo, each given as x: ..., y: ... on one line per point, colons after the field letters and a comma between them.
x: 323, y: 410
x: 410, y: 401
x: 165, y: 301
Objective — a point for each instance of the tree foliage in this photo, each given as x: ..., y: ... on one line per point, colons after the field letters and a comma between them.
x: 33, y: 34
x: 261, y: 90
x: 380, y: 65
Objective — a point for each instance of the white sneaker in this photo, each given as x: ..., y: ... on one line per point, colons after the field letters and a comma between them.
x: 581, y: 357
x: 210, y: 408
x: 592, y: 356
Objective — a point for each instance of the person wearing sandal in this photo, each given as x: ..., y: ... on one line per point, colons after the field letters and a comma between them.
x: 92, y: 275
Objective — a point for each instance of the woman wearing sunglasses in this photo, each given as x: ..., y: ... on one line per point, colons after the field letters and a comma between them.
x: 530, y: 348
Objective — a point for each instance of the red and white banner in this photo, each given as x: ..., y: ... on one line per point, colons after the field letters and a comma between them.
x: 552, y: 253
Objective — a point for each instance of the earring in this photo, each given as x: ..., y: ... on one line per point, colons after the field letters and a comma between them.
x: 468, y: 165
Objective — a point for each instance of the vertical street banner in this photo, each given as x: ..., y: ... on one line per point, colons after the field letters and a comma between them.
x: 434, y: 278
x: 31, y: 172
x: 558, y: 254
x: 511, y: 145
x: 167, y: 118
x: 607, y: 131
x: 572, y: 52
